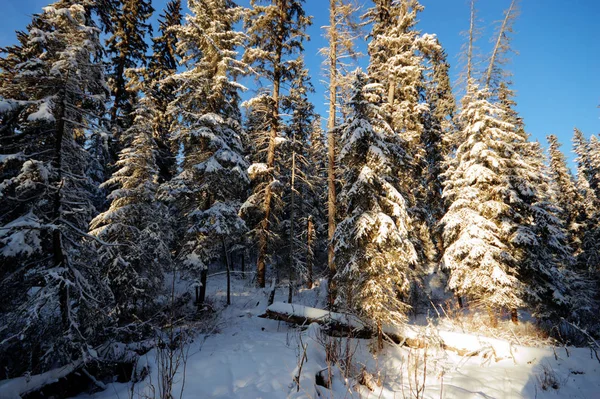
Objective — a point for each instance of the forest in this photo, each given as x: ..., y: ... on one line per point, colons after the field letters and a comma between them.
x: 155, y: 180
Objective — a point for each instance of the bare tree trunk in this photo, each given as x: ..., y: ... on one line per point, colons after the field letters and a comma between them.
x: 292, y: 223
x: 514, y: 316
x: 498, y: 45
x: 471, y: 43
x: 493, y: 317
x: 243, y: 263
x: 203, y: 278
x: 228, y: 268
x: 58, y: 253
x: 310, y: 255
x: 331, y: 123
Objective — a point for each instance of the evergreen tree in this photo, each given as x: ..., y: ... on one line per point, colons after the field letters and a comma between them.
x: 57, y: 305
x: 207, y: 127
x: 568, y: 198
x: 298, y: 182
x: 275, y: 32
x: 372, y: 241
x: 481, y: 220
x: 437, y: 140
x: 135, y: 225
x: 127, y: 49
x: 161, y: 67
x: 340, y: 33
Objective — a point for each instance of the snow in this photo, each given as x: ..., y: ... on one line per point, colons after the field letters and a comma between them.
x: 251, y: 357
x: 43, y: 113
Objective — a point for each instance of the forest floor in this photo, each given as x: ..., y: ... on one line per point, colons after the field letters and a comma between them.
x: 245, y: 356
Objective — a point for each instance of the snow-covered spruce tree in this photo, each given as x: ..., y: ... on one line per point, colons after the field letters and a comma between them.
x: 372, y: 241
x: 568, y: 198
x: 555, y: 288
x: 341, y: 32
x: 276, y: 31
x: 207, y: 128
x: 127, y: 49
x: 397, y: 62
x: 436, y: 139
x: 480, y: 221
x: 299, y: 193
x: 52, y: 95
x: 586, y: 181
x: 317, y: 235
x: 161, y: 66
x: 588, y: 175
x: 135, y: 224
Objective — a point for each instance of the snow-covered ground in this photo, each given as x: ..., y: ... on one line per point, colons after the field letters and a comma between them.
x: 251, y: 357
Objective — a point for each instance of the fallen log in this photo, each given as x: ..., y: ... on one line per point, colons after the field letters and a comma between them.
x: 347, y: 325
x: 334, y: 323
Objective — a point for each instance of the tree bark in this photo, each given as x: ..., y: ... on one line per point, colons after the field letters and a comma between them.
x: 227, y: 265
x: 331, y: 123
x: 514, y: 316
x: 310, y: 229
x: 58, y: 253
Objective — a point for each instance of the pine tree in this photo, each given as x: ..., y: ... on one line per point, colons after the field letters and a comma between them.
x: 135, y: 225
x: 52, y: 100
x: 372, y: 241
x: 127, y: 49
x: 275, y: 32
x: 207, y: 127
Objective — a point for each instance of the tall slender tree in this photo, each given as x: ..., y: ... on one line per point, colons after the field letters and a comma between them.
x: 276, y: 32
x: 340, y: 32
x: 161, y: 67
x: 127, y: 49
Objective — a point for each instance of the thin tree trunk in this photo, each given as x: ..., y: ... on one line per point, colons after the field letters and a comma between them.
x: 514, y: 316
x: 292, y: 225
x: 243, y: 264
x: 203, y: 278
x: 331, y: 123
x: 496, y: 50
x: 471, y: 43
x: 310, y: 229
x: 227, y: 265
x: 58, y: 253
x: 493, y: 317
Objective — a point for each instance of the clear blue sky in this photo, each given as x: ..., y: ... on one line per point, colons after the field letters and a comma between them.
x: 556, y: 73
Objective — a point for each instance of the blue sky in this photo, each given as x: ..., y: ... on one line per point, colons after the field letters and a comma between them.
x: 556, y: 74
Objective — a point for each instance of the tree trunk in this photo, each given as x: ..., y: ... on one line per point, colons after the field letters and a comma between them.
x: 460, y: 301
x: 243, y: 263
x: 292, y: 223
x: 203, y: 278
x: 514, y: 316
x: 310, y: 229
x: 57, y: 248
x: 493, y: 317
x: 227, y: 263
x: 331, y: 123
